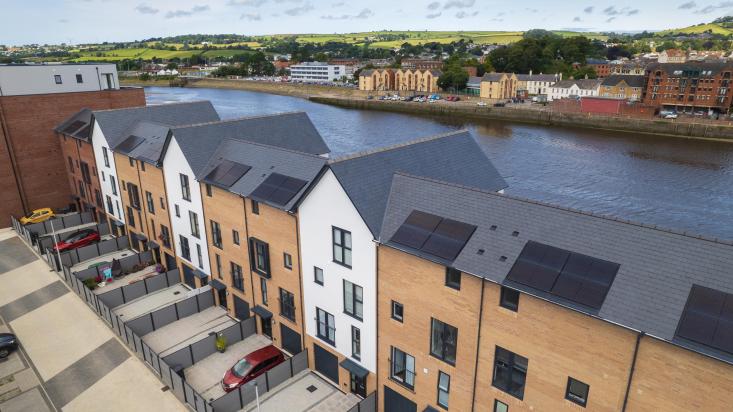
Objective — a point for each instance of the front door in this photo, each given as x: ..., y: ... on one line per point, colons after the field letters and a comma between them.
x: 394, y: 402
x: 266, y: 325
x: 290, y: 339
x: 326, y: 363
x: 358, y: 385
x: 241, y: 309
x: 222, y: 293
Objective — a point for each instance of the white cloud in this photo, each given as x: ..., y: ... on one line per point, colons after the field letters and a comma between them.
x: 299, y: 11
x: 364, y: 14
x: 145, y: 9
x: 459, y: 4
x: 186, y: 13
x: 251, y: 17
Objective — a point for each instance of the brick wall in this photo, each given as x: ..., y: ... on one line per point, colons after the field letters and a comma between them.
x: 28, y: 136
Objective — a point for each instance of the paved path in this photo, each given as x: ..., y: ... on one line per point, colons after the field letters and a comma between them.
x: 69, y: 359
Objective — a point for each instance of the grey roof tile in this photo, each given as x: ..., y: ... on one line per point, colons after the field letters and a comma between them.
x: 82, y: 132
x: 658, y: 266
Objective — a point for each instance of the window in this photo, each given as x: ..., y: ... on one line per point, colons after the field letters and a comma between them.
x: 57, y: 78
x: 342, y: 247
x: 355, y: 343
x: 235, y: 237
x: 185, y: 188
x: 178, y: 211
x: 110, y: 208
x: 443, y: 389
x: 113, y: 184
x: 263, y: 290
x: 577, y: 392
x: 510, y: 372
x: 402, y: 368
x: 103, y: 179
x: 353, y: 300
x: 287, y: 304
x: 326, y: 326
x: 208, y: 190
x: 260, y: 256
x: 255, y: 207
x: 185, y: 249
x: 318, y: 275
x: 165, y: 236
x: 132, y: 161
x: 287, y: 260
x: 130, y: 216
x: 453, y: 278
x: 133, y: 195
x: 398, y: 311
x: 444, y: 341
x: 79, y: 78
x: 215, y: 234
x: 194, y: 221
x: 198, y: 254
x: 218, y: 264
x: 71, y: 165
x: 106, y: 156
x: 142, y: 165
x: 237, y: 279
x: 500, y: 406
x: 509, y: 299
x: 162, y: 203
x: 150, y: 202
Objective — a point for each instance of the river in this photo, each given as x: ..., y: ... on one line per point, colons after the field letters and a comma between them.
x: 671, y: 182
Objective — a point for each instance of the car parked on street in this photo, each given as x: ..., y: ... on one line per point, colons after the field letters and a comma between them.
x: 8, y: 344
x: 251, y: 366
x: 37, y: 216
x: 76, y: 240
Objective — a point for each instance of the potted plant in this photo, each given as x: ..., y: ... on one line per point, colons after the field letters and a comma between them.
x: 221, y: 342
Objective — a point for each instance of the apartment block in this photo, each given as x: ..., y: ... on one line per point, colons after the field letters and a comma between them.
x: 689, y: 87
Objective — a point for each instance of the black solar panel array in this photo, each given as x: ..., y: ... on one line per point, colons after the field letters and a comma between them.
x: 435, y: 235
x: 74, y: 126
x: 84, y: 132
x: 227, y: 173
x: 129, y: 144
x: 278, y: 189
x: 573, y: 276
x: 708, y: 318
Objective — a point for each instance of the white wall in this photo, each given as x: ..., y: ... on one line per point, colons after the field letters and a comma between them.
x: 174, y: 164
x: 325, y: 206
x: 110, y: 173
x: 39, y: 79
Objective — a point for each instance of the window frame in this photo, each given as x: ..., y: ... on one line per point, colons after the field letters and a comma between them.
x: 316, y: 269
x: 342, y: 246
x: 255, y: 205
x: 393, y: 315
x: 440, y: 390
x: 393, y: 376
x: 355, y: 343
x: 285, y: 294
x: 217, y: 258
x: 151, y: 203
x: 496, y: 405
x: 208, y: 190
x: 57, y: 79
x: 185, y: 252
x: 216, y: 239
x: 505, y: 303
x: 260, y: 266
x: 329, y: 325
x: 193, y: 221
x: 79, y: 78
x: 185, y: 187
x: 165, y: 236
x: 235, y: 237
x: 445, y: 349
x: 577, y: 399
x: 287, y: 261
x: 235, y: 270
x: 451, y: 283
x: 355, y: 303
x: 199, y: 255
x: 263, y: 291
x: 512, y: 366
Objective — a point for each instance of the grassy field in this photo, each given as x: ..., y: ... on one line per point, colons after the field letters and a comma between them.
x: 700, y: 28
x: 148, y: 54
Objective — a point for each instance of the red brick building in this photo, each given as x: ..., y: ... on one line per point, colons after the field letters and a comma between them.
x: 33, y: 166
x: 421, y: 64
x: 690, y: 87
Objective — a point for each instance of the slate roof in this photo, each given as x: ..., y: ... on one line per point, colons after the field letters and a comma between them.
x: 114, y: 123
x: 454, y: 157
x: 293, y: 131
x: 585, y: 84
x: 492, y: 77
x: 264, y: 160
x: 366, y: 73
x: 670, y: 68
x: 83, y: 131
x: 596, y: 61
x: 657, y: 266
x: 537, y: 77
x: 151, y: 149
x: 474, y: 81
x: 632, y: 81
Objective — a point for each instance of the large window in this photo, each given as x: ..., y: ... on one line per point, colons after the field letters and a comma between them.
x: 260, y: 256
x: 402, y: 368
x: 443, y: 389
x: 193, y: 219
x: 237, y: 279
x: 342, y: 247
x: 151, y: 203
x: 443, y: 341
x: 216, y: 234
x: 577, y: 391
x: 287, y: 304
x: 326, y: 326
x: 510, y: 372
x: 185, y: 249
x: 353, y: 300
x: 355, y: 343
x: 185, y: 188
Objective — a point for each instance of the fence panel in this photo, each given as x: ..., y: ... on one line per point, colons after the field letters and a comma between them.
x: 129, y: 336
x: 300, y: 362
x: 113, y: 298
x: 127, y: 263
x: 164, y: 316
x: 173, y: 277
x: 278, y: 374
x: 138, y: 345
x: 142, y: 325
x: 200, y: 402
x: 180, y: 358
x: 71, y: 221
x: 206, y: 300
x: 203, y: 348
x: 228, y: 402
x: 249, y: 327
x: 165, y: 373
x: 134, y: 291
x: 107, y: 246
x: 233, y: 334
x: 147, y: 356
x: 87, y: 252
x: 187, y: 307
x: 369, y: 404
x: 178, y: 386
x: 156, y: 282
x: 190, y: 394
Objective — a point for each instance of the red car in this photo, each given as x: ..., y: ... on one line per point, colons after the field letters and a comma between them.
x: 251, y: 366
x: 77, y: 239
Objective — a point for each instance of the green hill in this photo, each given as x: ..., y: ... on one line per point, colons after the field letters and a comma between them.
x: 723, y: 28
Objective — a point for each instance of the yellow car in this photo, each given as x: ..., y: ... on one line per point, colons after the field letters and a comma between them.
x: 38, y: 215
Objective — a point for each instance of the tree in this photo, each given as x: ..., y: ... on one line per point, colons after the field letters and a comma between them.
x: 453, y: 77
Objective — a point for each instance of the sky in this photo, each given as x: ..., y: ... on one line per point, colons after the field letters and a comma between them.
x: 90, y: 21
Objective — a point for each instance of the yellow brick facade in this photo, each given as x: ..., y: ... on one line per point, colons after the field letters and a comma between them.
x: 505, y: 87
x: 402, y: 80
x: 622, y: 91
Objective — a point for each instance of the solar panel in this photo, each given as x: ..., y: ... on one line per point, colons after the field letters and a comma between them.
x: 573, y: 276
x: 278, y: 189
x: 74, y: 126
x: 129, y: 144
x: 84, y: 132
x: 234, y: 174
x: 708, y: 318
x: 444, y: 238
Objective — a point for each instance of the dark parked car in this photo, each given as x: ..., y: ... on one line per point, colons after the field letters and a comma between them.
x: 8, y: 344
x: 78, y: 239
x: 252, y: 366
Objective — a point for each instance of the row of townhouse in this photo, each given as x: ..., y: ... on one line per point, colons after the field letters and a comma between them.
x: 406, y: 271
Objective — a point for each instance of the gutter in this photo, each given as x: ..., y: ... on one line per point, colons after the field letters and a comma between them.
x: 631, y: 372
x: 478, y: 345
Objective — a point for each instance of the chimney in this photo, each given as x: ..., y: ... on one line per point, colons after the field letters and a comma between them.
x: 530, y: 72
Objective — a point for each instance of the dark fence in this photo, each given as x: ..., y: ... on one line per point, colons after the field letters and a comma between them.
x: 368, y: 404
x: 238, y: 399
x: 58, y: 223
x: 72, y: 257
x: 44, y: 242
x: 124, y: 294
x: 169, y: 314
